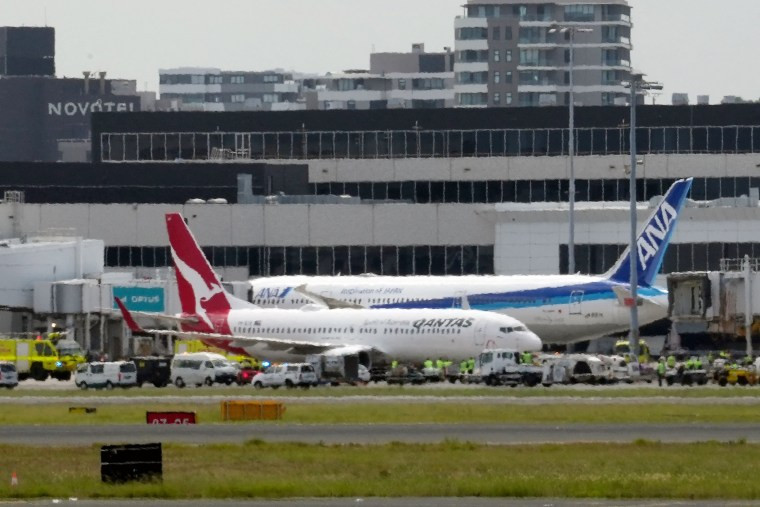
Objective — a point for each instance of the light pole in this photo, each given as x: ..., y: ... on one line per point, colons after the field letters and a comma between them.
x: 636, y: 84
x: 571, y: 31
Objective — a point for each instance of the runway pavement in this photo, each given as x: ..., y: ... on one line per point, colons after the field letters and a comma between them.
x: 496, y: 434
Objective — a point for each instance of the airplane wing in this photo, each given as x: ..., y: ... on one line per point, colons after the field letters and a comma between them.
x: 331, y: 303
x: 238, y: 342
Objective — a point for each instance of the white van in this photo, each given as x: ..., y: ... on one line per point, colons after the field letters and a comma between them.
x: 201, y: 368
x: 108, y: 375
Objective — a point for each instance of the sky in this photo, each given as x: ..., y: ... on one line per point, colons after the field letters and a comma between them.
x: 699, y: 47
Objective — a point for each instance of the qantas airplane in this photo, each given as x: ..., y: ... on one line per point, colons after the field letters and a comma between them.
x: 216, y: 317
x: 561, y: 309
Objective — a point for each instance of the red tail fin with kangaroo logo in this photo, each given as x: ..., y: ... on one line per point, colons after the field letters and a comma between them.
x: 200, y: 290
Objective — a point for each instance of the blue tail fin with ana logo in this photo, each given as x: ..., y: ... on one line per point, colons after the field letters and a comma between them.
x: 653, y: 239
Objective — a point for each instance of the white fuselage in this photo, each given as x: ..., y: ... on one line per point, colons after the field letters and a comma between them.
x: 558, y: 308
x: 405, y: 335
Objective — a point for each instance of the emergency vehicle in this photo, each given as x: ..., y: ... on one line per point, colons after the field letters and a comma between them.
x: 34, y: 358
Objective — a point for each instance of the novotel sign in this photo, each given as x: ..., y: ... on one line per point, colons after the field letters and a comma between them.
x: 84, y: 108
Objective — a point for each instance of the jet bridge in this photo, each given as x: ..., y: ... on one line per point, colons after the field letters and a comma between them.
x: 723, y: 303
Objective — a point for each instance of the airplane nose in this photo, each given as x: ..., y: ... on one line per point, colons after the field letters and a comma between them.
x: 532, y: 343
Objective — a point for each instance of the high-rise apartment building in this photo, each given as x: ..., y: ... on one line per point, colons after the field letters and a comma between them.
x: 211, y: 89
x: 394, y: 81
x: 517, y: 53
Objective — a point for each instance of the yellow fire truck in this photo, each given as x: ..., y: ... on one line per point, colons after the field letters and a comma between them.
x: 33, y: 358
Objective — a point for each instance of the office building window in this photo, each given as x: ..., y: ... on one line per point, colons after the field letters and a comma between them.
x: 496, y: 33
x: 579, y: 13
x: 508, y: 98
x: 237, y: 97
x: 497, y: 98
x: 237, y: 79
x: 472, y: 33
x: 197, y: 79
x: 271, y: 78
x: 402, y: 84
x: 508, y: 55
x: 215, y: 80
x: 496, y: 55
x: 496, y: 77
x: 508, y: 77
x: 325, y: 260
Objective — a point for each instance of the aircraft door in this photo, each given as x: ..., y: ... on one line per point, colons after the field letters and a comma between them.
x: 479, y: 333
x: 576, y: 299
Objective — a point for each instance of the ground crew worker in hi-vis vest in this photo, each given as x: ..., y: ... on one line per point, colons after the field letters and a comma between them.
x: 660, y: 371
x: 471, y: 365
x: 439, y: 363
x: 394, y: 364
x: 671, y: 361
x: 463, y: 367
x: 428, y: 363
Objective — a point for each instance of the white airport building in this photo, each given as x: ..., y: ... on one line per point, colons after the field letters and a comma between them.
x: 476, y: 191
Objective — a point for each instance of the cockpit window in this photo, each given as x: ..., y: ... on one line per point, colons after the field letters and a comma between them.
x: 506, y: 330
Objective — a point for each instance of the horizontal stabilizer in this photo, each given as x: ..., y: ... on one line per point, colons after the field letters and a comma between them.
x: 625, y: 298
x: 329, y: 302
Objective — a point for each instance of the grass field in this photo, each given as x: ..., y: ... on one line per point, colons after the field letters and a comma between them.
x: 646, y: 390
x: 256, y: 469
x: 358, y: 413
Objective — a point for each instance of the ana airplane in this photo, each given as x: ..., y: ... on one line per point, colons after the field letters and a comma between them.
x: 559, y: 308
x: 216, y: 317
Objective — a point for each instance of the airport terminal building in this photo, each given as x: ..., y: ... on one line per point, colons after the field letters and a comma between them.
x: 399, y: 192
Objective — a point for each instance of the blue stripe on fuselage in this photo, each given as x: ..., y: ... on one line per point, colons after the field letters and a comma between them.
x: 545, y: 296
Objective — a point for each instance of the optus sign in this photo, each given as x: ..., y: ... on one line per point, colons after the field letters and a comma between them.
x: 140, y: 299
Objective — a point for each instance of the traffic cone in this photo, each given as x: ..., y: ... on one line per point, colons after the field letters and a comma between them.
x: 14, y: 479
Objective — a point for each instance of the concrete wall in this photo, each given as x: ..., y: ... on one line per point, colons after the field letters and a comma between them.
x: 527, y: 242
x: 259, y: 224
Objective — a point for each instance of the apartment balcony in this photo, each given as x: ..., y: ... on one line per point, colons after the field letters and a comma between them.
x: 542, y: 62
x: 625, y: 18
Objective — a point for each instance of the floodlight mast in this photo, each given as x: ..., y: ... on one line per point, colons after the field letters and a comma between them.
x: 636, y: 84
x: 571, y: 31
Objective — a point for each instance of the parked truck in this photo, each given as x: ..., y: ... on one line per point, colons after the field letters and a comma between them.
x: 576, y: 369
x: 34, y: 358
x: 504, y: 367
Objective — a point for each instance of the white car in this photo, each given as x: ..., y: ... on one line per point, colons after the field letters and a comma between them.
x: 108, y: 375
x: 8, y: 374
x: 288, y: 375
